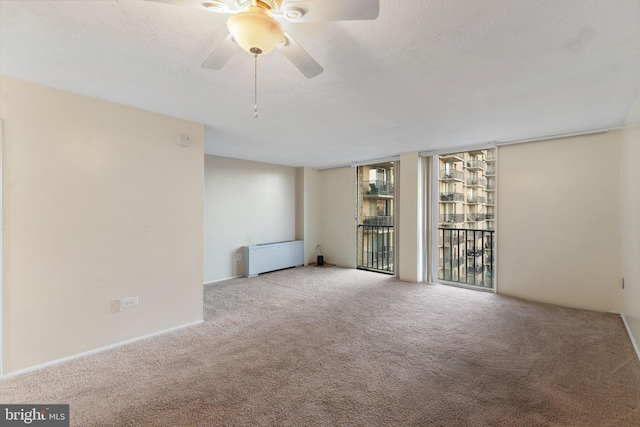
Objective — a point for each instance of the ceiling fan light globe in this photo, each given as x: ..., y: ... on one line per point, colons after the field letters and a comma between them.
x: 255, y: 30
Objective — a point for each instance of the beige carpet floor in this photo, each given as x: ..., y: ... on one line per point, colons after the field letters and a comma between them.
x: 339, y: 347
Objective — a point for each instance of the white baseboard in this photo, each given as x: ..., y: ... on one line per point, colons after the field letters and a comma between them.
x: 633, y: 341
x: 97, y: 350
x: 220, y: 280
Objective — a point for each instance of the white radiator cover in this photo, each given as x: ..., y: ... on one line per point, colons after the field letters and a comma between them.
x: 272, y: 256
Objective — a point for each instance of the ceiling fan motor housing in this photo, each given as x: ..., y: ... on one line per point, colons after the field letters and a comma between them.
x: 273, y: 5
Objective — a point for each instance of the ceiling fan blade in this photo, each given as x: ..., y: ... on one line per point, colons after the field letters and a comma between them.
x: 299, y: 57
x: 221, y: 54
x: 219, y: 6
x: 329, y: 10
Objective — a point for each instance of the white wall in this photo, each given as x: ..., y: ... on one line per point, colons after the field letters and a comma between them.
x: 100, y: 203
x: 337, y: 224
x: 311, y: 213
x: 246, y: 203
x: 558, y: 229
x: 630, y: 224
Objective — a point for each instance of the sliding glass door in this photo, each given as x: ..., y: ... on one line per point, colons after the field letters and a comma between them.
x: 376, y: 195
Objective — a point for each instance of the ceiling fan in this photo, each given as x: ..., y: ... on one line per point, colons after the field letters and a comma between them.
x: 256, y: 25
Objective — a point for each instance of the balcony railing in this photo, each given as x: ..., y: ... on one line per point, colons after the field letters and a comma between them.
x: 478, y: 269
x: 476, y: 182
x: 491, y: 186
x: 377, y: 188
x: 490, y: 201
x: 490, y: 215
x: 451, y: 218
x: 451, y: 175
x: 375, y: 247
x: 472, y: 216
x: 476, y: 164
x: 447, y: 260
x: 451, y: 197
x: 477, y: 248
x: 378, y: 220
x: 476, y: 199
x: 490, y: 156
x: 490, y: 172
x: 474, y: 252
x: 449, y: 239
x: 488, y: 257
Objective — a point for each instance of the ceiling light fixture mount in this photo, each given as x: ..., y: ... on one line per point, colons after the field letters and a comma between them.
x: 294, y: 13
x: 218, y: 6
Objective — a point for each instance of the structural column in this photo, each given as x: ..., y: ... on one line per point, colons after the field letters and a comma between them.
x: 410, y: 219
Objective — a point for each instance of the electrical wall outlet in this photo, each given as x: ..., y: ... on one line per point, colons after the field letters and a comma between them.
x: 116, y: 306
x: 129, y: 302
x: 238, y: 257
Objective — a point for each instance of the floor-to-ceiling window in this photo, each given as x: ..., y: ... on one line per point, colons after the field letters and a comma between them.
x: 376, y: 191
x: 464, y: 220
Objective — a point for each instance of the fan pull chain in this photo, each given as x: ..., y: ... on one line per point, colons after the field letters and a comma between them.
x: 255, y: 86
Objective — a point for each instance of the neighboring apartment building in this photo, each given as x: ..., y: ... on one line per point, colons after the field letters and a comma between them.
x: 466, y: 224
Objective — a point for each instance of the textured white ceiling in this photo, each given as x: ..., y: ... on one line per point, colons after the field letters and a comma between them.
x: 427, y: 74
